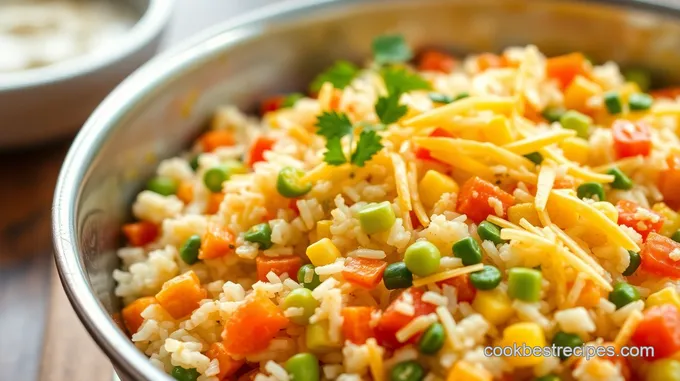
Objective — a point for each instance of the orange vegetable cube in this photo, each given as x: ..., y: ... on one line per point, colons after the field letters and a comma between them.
x: 278, y: 265
x: 565, y: 68
x: 434, y: 60
x: 181, y: 295
x: 217, y: 242
x: 132, y: 313
x: 185, y: 191
x: 356, y: 325
x: 259, y: 147
x: 669, y: 182
x: 140, y: 233
x: 228, y: 366
x: 364, y: 272
x: 214, y: 201
x: 478, y: 199
x: 252, y: 326
x: 590, y: 294
x: 212, y: 140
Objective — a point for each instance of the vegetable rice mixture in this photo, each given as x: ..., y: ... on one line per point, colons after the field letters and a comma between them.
x: 401, y: 218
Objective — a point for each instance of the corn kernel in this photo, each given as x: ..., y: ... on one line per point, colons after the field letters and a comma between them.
x: 498, y: 132
x: 465, y: 371
x: 526, y: 211
x: 433, y: 185
x: 575, y: 149
x: 494, y: 305
x: 578, y: 92
x: 322, y: 252
x: 666, y: 296
x: 671, y: 222
x: 523, y: 334
x: 608, y: 209
x: 323, y: 229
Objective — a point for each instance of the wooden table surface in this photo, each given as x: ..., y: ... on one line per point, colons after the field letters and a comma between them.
x: 40, y: 336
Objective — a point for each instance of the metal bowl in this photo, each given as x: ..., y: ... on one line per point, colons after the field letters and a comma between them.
x: 42, y: 104
x: 158, y: 110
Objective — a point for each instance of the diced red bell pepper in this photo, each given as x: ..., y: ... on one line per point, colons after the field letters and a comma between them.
x: 140, y: 233
x: 669, y: 92
x: 271, y: 104
x: 631, y: 138
x: 659, y: 329
x: 356, y: 324
x: 278, y: 265
x: 655, y: 256
x: 434, y: 60
x: 364, y: 272
x: 474, y: 196
x: 642, y: 220
x: 392, y: 320
x: 464, y: 289
x: 261, y: 145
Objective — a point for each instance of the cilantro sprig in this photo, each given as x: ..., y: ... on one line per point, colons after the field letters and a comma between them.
x: 334, y: 126
x: 340, y: 75
x: 397, y: 82
x: 391, y: 49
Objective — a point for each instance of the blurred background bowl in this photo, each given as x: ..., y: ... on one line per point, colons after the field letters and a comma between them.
x: 46, y: 103
x: 160, y: 109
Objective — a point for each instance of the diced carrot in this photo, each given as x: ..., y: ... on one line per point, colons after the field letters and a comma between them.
x: 655, y: 256
x: 631, y: 138
x: 424, y: 154
x: 132, y: 313
x: 475, y: 196
x: 642, y: 220
x: 214, y: 201
x: 228, y: 366
x: 258, y: 148
x: 185, y: 191
x: 434, y: 60
x: 565, y: 68
x: 464, y: 289
x: 271, y: 104
x: 356, y: 324
x: 252, y: 326
x: 669, y: 182
x: 590, y: 294
x: 278, y: 265
x: 668, y: 92
x: 564, y: 183
x: 180, y: 295
x: 140, y: 233
x: 659, y: 329
x: 489, y: 61
x: 218, y: 138
x: 364, y: 272
x: 392, y: 320
x: 217, y: 242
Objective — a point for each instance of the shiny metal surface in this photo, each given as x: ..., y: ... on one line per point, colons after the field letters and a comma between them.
x: 44, y: 103
x: 159, y: 109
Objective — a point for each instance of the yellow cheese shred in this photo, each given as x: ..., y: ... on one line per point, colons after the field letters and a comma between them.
x: 596, y: 218
x: 375, y: 359
x: 418, y: 207
x: 546, y: 179
x: 535, y: 143
x: 441, y: 116
x: 465, y: 163
x: 325, y: 96
x: 448, y: 274
x: 476, y: 149
x: 401, y: 179
x: 576, y: 249
x: 502, y: 223
x: 622, y: 164
x: 574, y: 170
x: 626, y: 331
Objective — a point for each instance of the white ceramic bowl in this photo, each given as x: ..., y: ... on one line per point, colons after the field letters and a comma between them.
x: 46, y: 103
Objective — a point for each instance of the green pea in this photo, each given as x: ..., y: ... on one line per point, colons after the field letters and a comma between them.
x: 524, y: 284
x: 193, y: 163
x: 665, y: 369
x: 397, y: 276
x: 303, y: 367
x: 612, y: 101
x: 548, y: 377
x: 676, y: 236
x: 162, y: 185
x: 407, y: 371
x: 633, y: 264
x: 301, y: 298
x: 640, y: 102
x: 460, y: 96
x: 594, y: 191
x: 490, y: 232
x: 440, y: 98
x: 623, y: 294
x: 553, y: 114
x: 307, y: 277
x: 468, y: 250
x: 261, y: 234
x: 289, y: 183
x: 422, y: 258
x: 377, y: 217
x: 235, y: 167
x: 181, y: 374
x: 564, y: 340
x: 640, y: 76
x: 189, y: 251
x: 535, y: 157
x: 487, y: 278
x: 432, y: 339
x: 214, y: 178
x: 574, y: 120
x: 621, y: 181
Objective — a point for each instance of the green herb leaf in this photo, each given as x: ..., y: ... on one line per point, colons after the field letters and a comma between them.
x: 391, y: 49
x: 340, y: 75
x: 389, y: 110
x: 290, y: 99
x: 399, y: 81
x: 440, y: 98
x: 334, y: 154
x: 333, y: 124
x: 368, y: 145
